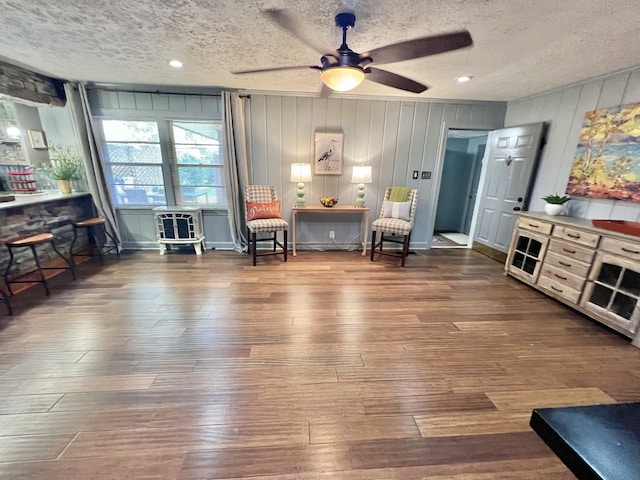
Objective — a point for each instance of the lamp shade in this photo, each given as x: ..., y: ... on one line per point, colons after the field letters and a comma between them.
x: 361, y: 174
x: 300, y: 172
x: 342, y: 79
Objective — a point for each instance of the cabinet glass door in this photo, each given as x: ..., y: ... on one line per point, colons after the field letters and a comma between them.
x: 526, y: 255
x: 617, y: 290
x: 613, y: 292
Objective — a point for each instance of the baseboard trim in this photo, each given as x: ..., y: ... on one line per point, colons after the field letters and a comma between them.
x: 490, y: 252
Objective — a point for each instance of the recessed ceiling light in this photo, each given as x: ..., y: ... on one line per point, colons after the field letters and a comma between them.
x: 462, y: 79
x: 175, y: 63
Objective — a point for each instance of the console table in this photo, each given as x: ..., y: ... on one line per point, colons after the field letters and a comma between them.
x: 337, y: 209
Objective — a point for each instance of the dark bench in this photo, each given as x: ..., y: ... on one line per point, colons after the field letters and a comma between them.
x: 595, y: 442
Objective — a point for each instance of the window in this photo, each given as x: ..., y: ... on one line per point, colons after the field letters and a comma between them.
x: 199, y: 163
x: 134, y: 162
x: 139, y: 175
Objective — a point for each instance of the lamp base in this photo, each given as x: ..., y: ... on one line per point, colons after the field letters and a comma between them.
x: 300, y: 195
x: 360, y: 196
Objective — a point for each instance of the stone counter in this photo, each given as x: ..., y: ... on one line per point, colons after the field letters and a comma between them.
x: 50, y: 212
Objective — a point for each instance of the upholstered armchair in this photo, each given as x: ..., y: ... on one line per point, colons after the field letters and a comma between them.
x: 396, y: 219
x: 262, y: 209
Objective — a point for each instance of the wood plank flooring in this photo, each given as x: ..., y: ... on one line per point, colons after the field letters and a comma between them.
x: 327, y: 367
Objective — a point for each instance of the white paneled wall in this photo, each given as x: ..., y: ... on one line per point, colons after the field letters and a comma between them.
x: 564, y: 110
x: 394, y: 137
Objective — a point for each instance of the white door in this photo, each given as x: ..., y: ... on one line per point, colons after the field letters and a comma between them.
x: 511, y: 160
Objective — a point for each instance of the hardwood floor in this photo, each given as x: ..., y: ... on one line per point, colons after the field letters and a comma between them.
x: 327, y: 367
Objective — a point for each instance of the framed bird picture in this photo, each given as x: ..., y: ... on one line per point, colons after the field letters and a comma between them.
x: 328, y: 153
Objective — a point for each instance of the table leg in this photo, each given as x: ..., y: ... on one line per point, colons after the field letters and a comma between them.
x: 293, y: 233
x: 365, y: 231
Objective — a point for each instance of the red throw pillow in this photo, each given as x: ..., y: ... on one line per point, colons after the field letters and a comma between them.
x: 258, y: 210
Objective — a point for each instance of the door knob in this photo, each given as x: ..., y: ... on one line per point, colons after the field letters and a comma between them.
x: 520, y: 199
x: 516, y: 209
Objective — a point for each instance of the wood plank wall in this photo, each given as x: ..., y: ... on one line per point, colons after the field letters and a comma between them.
x: 395, y: 137
x: 564, y: 110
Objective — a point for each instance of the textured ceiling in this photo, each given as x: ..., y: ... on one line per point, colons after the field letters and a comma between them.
x: 521, y: 47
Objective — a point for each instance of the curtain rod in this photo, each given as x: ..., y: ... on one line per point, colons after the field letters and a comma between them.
x: 149, y: 91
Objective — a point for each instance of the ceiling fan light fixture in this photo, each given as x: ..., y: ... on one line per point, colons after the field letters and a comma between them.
x: 342, y: 78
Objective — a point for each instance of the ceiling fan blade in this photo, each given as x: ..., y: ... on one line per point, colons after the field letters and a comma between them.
x: 295, y: 26
x: 420, y: 47
x: 275, y: 69
x: 393, y: 80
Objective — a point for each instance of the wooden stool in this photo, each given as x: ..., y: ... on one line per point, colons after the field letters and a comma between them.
x: 31, y: 242
x: 4, y: 298
x: 90, y: 224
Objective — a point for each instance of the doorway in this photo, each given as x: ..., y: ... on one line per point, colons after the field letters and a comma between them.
x: 459, y: 183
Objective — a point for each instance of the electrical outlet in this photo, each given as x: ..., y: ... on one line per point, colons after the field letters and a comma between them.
x: 332, y: 235
x: 426, y: 175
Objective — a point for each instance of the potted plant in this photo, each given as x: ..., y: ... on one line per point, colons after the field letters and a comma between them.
x: 555, y: 204
x: 64, y: 165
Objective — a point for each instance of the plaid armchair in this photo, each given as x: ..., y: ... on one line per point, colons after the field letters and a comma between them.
x: 392, y: 223
x: 264, y: 194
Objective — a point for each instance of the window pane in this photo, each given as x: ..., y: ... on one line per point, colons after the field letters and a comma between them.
x: 204, y: 196
x: 201, y: 176
x: 133, y: 153
x: 198, y: 155
x: 198, y: 133
x: 130, y: 131
x: 136, y: 185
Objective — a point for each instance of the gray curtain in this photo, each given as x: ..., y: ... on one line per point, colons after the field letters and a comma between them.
x: 236, y: 163
x: 96, y: 179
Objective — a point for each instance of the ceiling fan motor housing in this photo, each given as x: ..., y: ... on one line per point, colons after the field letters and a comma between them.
x: 346, y: 19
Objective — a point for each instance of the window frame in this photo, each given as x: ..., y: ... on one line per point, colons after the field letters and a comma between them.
x: 169, y: 165
x: 175, y: 166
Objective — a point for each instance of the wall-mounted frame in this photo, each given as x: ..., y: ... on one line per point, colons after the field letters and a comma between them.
x: 37, y: 139
x: 607, y: 160
x: 328, y: 153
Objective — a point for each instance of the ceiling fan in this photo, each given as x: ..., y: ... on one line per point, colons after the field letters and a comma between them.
x: 343, y: 69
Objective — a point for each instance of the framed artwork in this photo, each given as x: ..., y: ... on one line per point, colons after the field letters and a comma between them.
x: 607, y: 160
x: 37, y: 140
x: 328, y: 153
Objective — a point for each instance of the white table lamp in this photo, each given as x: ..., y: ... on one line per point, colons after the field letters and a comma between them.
x: 300, y: 173
x: 361, y: 175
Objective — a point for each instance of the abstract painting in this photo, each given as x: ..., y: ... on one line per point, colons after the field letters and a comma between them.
x: 607, y: 160
x: 328, y: 154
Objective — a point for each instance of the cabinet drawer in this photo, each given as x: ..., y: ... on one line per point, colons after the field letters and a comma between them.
x: 535, y: 225
x: 571, y: 250
x: 577, y: 236
x: 566, y: 264
x: 621, y: 247
x: 559, y: 290
x: 562, y: 277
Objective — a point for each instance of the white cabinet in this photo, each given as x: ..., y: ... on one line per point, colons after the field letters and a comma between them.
x: 593, y: 270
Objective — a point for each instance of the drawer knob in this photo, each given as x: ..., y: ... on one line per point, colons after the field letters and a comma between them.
x: 573, y: 235
x: 635, y: 252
